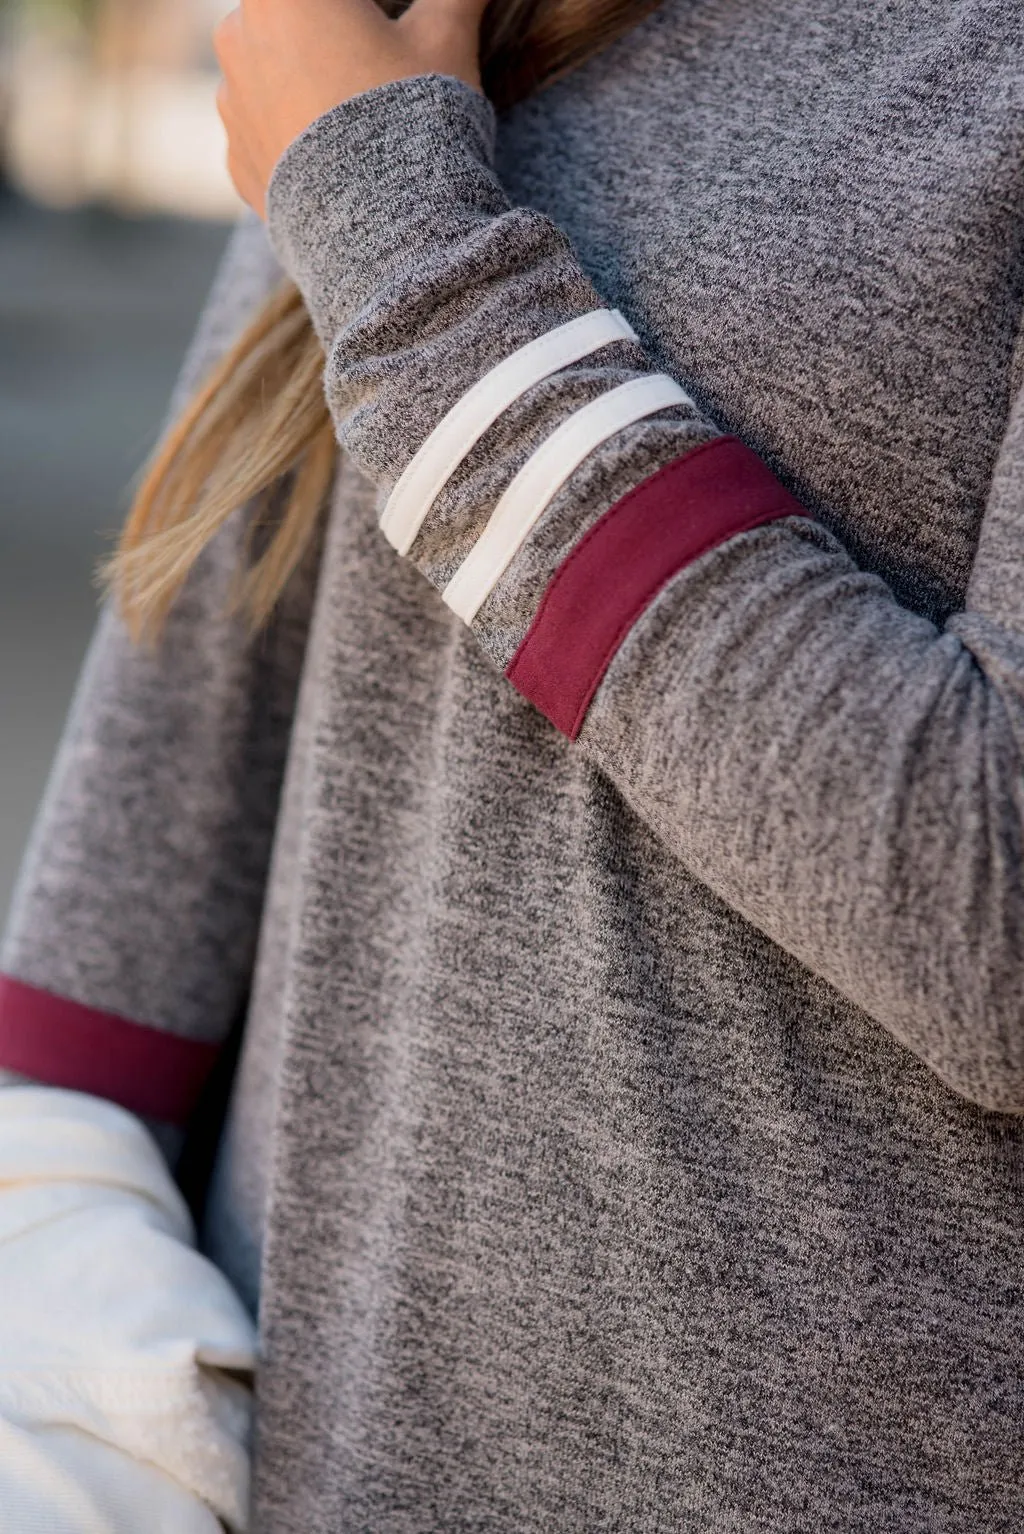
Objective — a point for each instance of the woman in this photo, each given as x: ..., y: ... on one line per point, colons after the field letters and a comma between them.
x: 626, y: 1130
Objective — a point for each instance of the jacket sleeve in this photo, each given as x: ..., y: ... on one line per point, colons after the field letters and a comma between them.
x: 842, y: 772
x: 130, y: 944
x: 125, y: 1357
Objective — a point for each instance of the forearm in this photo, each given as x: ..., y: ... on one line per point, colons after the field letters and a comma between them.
x: 843, y: 774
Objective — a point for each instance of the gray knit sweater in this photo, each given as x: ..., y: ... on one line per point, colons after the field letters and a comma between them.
x: 622, y: 884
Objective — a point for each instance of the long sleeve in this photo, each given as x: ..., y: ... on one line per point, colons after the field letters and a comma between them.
x: 131, y: 941
x: 841, y: 771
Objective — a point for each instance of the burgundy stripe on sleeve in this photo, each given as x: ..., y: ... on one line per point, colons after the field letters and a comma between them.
x: 618, y: 568
x: 65, y: 1044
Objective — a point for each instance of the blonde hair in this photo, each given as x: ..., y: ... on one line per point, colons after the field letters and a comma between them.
x: 259, y: 424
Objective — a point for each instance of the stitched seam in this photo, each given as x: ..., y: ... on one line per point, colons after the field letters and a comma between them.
x: 12, y: 1023
x: 644, y: 602
x: 7, y: 979
x: 663, y: 473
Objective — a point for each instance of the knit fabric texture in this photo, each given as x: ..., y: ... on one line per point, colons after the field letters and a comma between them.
x: 626, y: 1133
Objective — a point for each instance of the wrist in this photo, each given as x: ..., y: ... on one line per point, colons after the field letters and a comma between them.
x: 376, y: 182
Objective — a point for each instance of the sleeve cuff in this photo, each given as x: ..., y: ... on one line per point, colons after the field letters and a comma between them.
x: 63, y: 1043
x: 374, y: 182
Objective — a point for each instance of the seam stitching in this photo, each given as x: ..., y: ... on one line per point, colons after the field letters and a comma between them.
x: 645, y: 600
x: 645, y: 484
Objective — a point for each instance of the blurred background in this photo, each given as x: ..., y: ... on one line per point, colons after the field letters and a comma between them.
x: 114, y: 208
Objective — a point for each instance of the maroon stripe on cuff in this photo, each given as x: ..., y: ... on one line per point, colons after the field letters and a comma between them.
x: 64, y: 1044
x: 618, y: 568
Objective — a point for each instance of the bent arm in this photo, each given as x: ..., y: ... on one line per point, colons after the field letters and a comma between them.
x: 846, y: 775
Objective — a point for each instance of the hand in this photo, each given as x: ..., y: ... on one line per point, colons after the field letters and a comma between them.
x: 286, y: 62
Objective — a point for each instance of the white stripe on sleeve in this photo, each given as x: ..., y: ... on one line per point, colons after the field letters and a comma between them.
x: 543, y: 474
x: 459, y: 431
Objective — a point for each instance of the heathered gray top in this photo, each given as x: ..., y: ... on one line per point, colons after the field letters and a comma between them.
x: 626, y: 1134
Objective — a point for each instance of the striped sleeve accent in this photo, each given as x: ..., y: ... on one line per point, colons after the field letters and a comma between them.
x: 458, y: 432
x: 617, y: 569
x: 62, y: 1043
x: 699, y: 500
x: 542, y: 476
